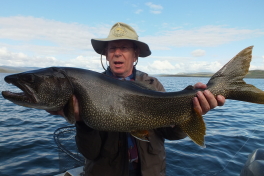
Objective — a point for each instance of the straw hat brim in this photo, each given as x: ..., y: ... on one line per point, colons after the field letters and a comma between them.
x: 99, y: 46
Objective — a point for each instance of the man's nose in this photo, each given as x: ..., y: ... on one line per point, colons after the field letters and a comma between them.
x: 118, y: 51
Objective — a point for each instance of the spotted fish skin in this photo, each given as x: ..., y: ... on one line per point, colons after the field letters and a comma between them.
x: 108, y: 104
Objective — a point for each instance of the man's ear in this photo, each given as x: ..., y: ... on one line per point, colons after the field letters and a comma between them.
x: 135, y: 57
x: 137, y: 52
x: 106, y: 56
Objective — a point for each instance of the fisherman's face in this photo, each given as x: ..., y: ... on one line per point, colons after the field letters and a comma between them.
x: 121, y: 56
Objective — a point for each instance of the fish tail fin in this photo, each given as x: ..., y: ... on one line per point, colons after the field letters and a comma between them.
x: 228, y: 81
x: 195, y: 128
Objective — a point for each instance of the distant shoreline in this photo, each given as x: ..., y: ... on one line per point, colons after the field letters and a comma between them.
x: 259, y: 74
x: 9, y: 69
x: 251, y: 74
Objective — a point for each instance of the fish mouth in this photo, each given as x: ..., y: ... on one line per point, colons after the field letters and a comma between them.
x: 27, y: 95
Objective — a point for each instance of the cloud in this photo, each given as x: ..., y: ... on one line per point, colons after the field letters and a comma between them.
x: 9, y: 58
x: 165, y: 67
x: 161, y: 65
x: 50, y: 37
x: 206, y: 36
x: 170, y: 58
x: 49, y: 33
x: 203, y: 66
x: 156, y: 67
x: 198, y: 53
x: 29, y: 41
x: 156, y: 9
x: 20, y: 59
x: 138, y: 11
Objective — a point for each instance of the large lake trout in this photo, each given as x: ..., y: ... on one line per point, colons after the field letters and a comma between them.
x: 108, y: 104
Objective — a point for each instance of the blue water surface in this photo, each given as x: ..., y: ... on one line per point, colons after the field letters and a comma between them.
x: 233, y: 132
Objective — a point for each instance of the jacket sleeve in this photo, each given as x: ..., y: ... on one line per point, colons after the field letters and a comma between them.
x: 88, y: 141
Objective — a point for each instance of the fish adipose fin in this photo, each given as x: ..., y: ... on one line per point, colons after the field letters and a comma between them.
x: 228, y: 81
x: 142, y: 135
x: 195, y: 128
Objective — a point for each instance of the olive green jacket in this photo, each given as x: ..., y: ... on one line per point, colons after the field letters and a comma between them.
x: 106, y: 153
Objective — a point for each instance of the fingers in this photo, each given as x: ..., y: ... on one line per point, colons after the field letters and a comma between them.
x: 60, y: 112
x: 200, y: 85
x: 210, y: 99
x: 220, y: 100
x: 53, y: 112
x: 196, y: 105
x: 205, y: 101
x: 76, y: 109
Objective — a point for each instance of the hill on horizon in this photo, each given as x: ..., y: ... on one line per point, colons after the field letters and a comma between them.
x: 251, y: 74
x: 10, y: 69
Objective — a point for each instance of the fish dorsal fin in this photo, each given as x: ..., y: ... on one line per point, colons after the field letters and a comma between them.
x: 69, y: 111
x: 195, y: 128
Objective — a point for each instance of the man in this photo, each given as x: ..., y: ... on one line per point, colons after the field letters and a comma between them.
x: 120, y: 154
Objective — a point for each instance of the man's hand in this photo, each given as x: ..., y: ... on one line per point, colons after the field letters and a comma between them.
x: 205, y: 101
x: 75, y: 107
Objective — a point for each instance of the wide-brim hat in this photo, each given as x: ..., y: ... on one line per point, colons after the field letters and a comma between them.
x: 121, y: 31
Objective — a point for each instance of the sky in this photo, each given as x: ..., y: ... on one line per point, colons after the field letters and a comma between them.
x: 184, y: 36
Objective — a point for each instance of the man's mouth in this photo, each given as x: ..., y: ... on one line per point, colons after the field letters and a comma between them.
x: 118, y: 63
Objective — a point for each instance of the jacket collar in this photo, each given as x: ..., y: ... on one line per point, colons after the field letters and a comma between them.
x: 130, y: 77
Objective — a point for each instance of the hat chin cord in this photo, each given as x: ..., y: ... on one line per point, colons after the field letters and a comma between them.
x: 136, y: 63
x: 102, y: 62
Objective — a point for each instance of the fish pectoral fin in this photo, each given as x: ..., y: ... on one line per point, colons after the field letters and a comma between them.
x: 142, y: 135
x: 69, y: 111
x: 195, y: 128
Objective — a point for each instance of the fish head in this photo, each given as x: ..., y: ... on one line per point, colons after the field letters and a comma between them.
x: 48, y: 89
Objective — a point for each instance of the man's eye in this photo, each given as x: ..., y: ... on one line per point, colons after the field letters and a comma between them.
x: 122, y: 48
x: 112, y: 48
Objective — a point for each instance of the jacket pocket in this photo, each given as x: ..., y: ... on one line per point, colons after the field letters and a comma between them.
x: 156, y: 144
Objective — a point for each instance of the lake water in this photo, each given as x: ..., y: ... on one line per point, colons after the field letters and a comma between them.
x: 233, y: 131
